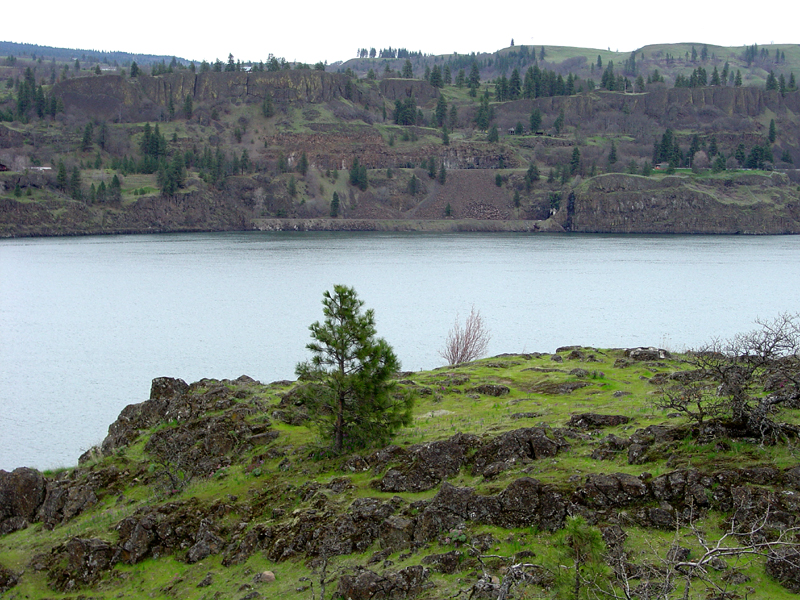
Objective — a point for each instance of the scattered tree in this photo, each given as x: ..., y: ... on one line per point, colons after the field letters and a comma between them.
x: 351, y: 395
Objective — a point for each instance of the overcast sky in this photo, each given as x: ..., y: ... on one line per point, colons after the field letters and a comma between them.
x: 312, y: 30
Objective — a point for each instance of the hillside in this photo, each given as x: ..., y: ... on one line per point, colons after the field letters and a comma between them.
x: 221, y: 489
x: 676, y: 138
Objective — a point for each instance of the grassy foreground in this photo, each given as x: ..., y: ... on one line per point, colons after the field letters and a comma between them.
x: 283, y: 481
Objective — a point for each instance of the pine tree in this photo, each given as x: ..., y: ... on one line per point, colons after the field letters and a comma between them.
x: 535, y: 120
x: 442, y: 177
x: 772, y: 131
x: 474, y: 80
x: 353, y: 399
x: 335, y: 205
x: 302, y: 164
x: 612, y: 154
x: 493, y: 135
x: 575, y: 161
x: 61, y: 178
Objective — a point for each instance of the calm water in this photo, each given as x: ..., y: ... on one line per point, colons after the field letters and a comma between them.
x: 86, y: 323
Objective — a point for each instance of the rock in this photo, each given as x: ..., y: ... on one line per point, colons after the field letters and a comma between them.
x: 424, y: 466
x: 645, y: 354
x: 557, y: 358
x: 8, y: 579
x: 21, y: 494
x: 447, y: 563
x: 208, y: 543
x: 489, y: 389
x: 396, y: 533
x: 368, y: 585
x: 206, y: 581
x: 613, y: 490
x: 167, y: 387
x: 79, y: 562
x: 594, y: 420
x: 264, y: 577
x: 610, y: 447
x: 65, y: 500
x: 519, y: 444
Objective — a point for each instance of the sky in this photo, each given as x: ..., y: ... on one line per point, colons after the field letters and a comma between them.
x: 313, y: 30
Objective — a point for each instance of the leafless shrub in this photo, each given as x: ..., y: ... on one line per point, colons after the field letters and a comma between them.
x: 466, y: 343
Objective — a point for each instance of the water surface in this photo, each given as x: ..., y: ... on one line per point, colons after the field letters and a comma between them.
x: 86, y: 323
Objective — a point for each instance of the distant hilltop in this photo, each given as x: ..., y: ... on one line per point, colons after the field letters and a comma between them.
x: 681, y: 138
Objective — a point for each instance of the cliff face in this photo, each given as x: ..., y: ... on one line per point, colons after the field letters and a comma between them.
x: 145, y: 98
x: 631, y: 204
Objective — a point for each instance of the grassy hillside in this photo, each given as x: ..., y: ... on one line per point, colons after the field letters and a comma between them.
x: 277, y: 144
x: 203, y: 488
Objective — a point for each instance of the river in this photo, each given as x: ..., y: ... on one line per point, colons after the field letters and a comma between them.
x: 86, y: 323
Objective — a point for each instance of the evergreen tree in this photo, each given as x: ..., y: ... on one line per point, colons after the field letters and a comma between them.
x: 302, y: 164
x: 268, y: 107
x: 536, y: 120
x: 493, y: 135
x: 187, y: 107
x: 441, y: 111
x: 61, y: 178
x: 738, y: 81
x: 86, y: 142
x: 558, y: 124
x: 612, y: 154
x: 445, y: 136
x: 772, y: 131
x: 453, y: 117
x: 514, y: 85
x: 292, y: 186
x: 134, y: 69
x: 436, y: 77
x: 335, y: 205
x: 442, y: 177
x: 474, y: 81
x: 575, y: 161
x: 75, y: 184
x: 353, y: 401
x: 408, y: 70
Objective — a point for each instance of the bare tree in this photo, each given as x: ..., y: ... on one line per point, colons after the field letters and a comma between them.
x: 730, y: 377
x: 466, y: 343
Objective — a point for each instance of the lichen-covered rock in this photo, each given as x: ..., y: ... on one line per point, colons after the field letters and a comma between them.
x: 424, y: 466
x: 368, y: 585
x: 594, y: 420
x: 529, y: 443
x: 8, y: 579
x: 21, y: 494
x: 79, y: 562
x: 783, y: 565
x: 448, y: 562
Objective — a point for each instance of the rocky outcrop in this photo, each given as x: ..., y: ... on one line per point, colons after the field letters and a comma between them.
x: 368, y: 585
x: 633, y: 204
x: 8, y: 579
x: 21, y: 494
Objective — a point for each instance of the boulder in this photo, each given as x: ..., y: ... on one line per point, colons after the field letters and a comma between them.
x: 21, y: 494
x: 8, y: 579
x: 489, y: 389
x: 208, y: 543
x: 529, y: 443
x: 647, y: 354
x: 424, y: 466
x: 79, y: 562
x: 447, y: 563
x: 364, y: 584
x: 396, y: 533
x: 594, y: 420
